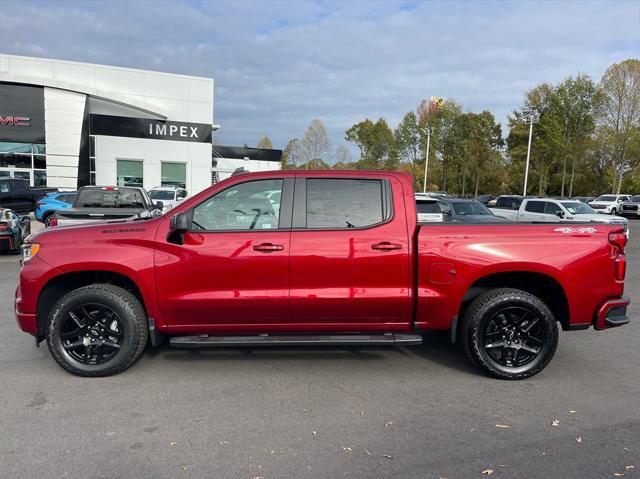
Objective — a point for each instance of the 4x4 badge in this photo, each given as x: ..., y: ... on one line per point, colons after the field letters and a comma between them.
x: 567, y: 230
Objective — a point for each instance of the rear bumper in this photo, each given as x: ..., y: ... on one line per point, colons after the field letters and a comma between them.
x: 613, y: 313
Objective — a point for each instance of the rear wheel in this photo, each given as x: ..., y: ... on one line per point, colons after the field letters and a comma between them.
x: 509, y: 333
x: 97, y: 330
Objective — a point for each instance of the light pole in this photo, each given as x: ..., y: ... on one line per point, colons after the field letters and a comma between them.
x: 531, y: 117
x: 426, y: 159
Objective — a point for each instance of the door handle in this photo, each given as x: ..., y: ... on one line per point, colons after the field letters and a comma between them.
x: 386, y: 246
x: 268, y: 247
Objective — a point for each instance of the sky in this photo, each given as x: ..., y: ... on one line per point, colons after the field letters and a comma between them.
x: 279, y: 64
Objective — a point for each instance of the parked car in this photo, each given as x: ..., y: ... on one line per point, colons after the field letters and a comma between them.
x: 169, y: 195
x: 505, y: 203
x: 13, y: 230
x: 551, y: 210
x: 428, y: 209
x: 608, y: 204
x: 458, y: 209
x: 97, y: 204
x: 16, y: 194
x: 485, y: 199
x: 341, y: 261
x: 52, y: 202
x: 631, y: 207
x: 584, y: 199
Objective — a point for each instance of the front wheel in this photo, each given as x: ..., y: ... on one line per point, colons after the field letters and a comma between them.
x: 97, y: 330
x: 614, y: 211
x: 509, y: 333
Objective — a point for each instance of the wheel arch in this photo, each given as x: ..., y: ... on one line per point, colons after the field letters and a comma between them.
x: 542, y: 285
x: 62, y: 284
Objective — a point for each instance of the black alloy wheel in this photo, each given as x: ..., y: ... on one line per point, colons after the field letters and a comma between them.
x: 91, y: 333
x: 97, y: 330
x: 509, y: 333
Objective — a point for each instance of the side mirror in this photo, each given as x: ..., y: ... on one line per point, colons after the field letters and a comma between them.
x: 25, y: 219
x: 180, y: 198
x: 159, y: 205
x: 180, y: 222
x: 560, y: 213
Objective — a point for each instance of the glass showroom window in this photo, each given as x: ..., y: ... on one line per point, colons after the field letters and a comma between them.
x: 173, y: 174
x: 129, y: 173
x: 23, y: 160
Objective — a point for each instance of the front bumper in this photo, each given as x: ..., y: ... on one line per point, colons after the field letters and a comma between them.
x: 613, y: 313
x: 26, y: 321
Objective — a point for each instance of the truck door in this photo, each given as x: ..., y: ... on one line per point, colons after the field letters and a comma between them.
x: 533, y: 212
x: 232, y: 268
x: 350, y: 251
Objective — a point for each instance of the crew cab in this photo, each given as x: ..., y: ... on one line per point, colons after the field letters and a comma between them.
x: 551, y: 210
x: 338, y: 259
x: 97, y: 204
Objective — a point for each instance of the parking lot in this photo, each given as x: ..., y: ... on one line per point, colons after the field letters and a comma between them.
x: 417, y: 412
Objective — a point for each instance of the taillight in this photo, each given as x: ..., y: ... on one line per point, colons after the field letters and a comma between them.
x: 4, y: 227
x: 54, y: 222
x: 619, y: 240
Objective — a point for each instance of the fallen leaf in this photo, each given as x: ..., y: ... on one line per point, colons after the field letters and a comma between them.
x: 503, y: 465
x: 618, y: 474
x: 173, y: 443
x: 368, y: 453
x: 626, y: 468
x: 223, y: 442
x: 346, y: 449
x: 258, y: 477
x: 388, y: 424
x: 579, y: 439
x: 313, y: 433
x: 110, y: 433
x: 184, y: 467
x: 572, y: 412
x: 362, y: 413
x: 387, y: 456
x: 502, y: 426
x: 487, y: 472
x: 555, y: 422
x: 547, y: 453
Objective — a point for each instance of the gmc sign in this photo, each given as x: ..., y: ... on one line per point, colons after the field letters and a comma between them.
x: 14, y: 120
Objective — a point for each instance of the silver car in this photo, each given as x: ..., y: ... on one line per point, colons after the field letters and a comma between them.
x: 631, y: 207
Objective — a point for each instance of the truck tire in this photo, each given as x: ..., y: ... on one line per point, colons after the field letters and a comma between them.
x: 97, y: 330
x: 509, y: 333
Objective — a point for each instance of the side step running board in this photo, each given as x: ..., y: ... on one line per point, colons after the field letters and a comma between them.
x: 205, y: 341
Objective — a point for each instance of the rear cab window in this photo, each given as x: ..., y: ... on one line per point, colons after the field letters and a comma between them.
x: 110, y: 198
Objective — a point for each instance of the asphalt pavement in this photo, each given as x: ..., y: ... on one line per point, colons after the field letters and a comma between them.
x: 415, y: 412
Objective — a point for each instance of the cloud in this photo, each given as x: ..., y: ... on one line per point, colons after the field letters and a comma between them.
x: 278, y: 65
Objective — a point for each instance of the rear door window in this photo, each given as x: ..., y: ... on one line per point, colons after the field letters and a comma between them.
x: 535, y: 206
x: 344, y: 203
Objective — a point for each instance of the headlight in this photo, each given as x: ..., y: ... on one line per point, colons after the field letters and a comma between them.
x: 29, y: 251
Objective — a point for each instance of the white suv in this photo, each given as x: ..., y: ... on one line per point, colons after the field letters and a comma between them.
x: 169, y: 195
x: 608, y: 204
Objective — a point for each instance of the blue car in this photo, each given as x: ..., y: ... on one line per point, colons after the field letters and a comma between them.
x: 49, y: 204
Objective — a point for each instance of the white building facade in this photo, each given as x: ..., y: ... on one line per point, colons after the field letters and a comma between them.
x: 67, y: 124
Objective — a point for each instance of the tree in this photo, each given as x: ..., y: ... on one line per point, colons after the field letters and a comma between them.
x: 291, y: 155
x: 572, y: 102
x: 376, y: 144
x: 407, y: 139
x: 316, y: 144
x: 619, y: 115
x: 342, y: 155
x: 265, y: 142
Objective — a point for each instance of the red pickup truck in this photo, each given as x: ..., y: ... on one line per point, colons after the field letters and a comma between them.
x: 316, y: 258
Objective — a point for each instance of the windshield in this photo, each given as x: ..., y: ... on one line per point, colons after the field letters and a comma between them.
x: 470, y: 208
x: 635, y: 198
x: 162, y: 195
x: 120, y: 198
x: 606, y: 198
x: 578, y: 208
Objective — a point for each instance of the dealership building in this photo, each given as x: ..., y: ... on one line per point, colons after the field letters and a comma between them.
x: 67, y: 124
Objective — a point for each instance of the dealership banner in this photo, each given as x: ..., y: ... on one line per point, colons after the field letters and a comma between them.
x: 150, y: 129
x: 21, y: 113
